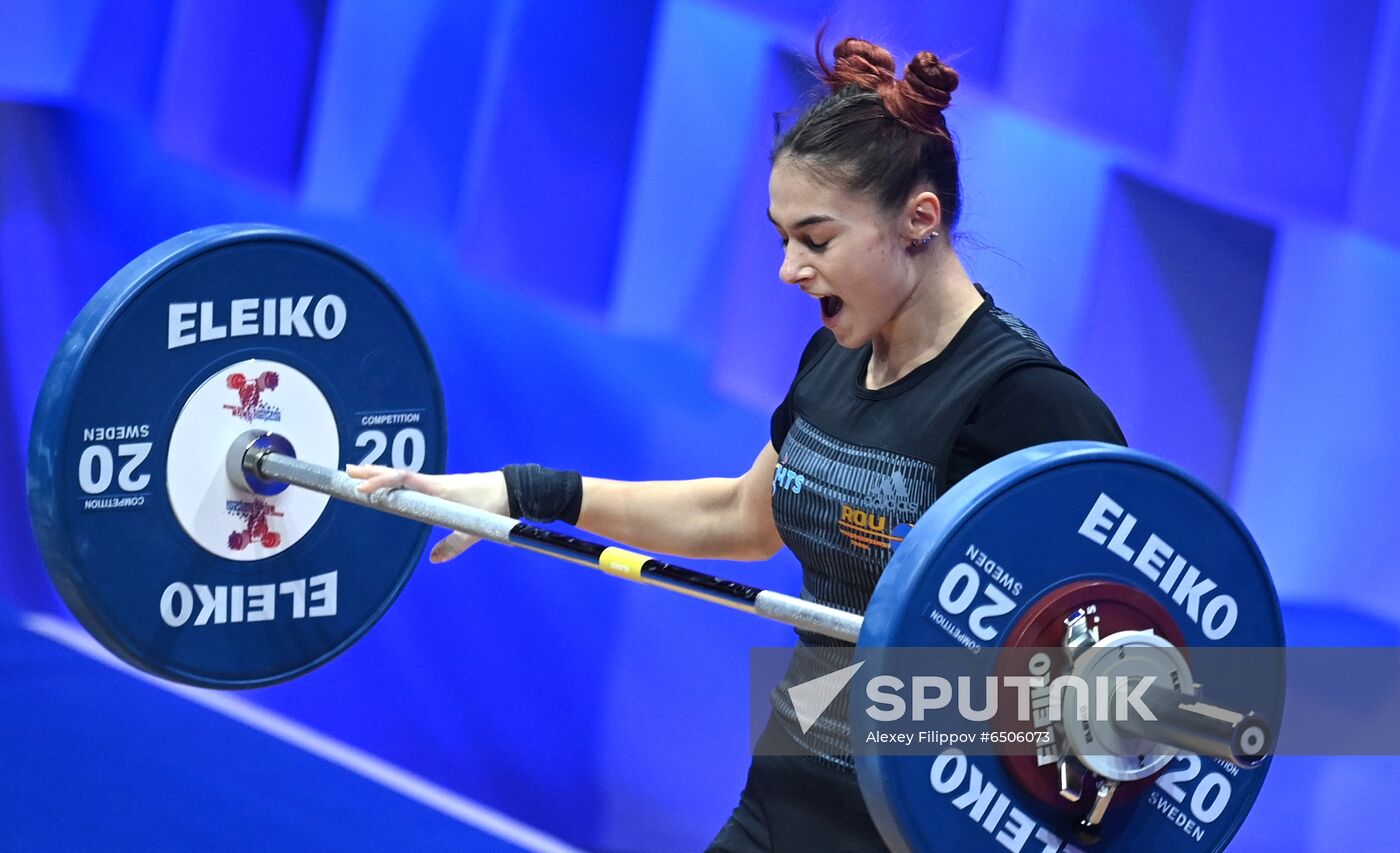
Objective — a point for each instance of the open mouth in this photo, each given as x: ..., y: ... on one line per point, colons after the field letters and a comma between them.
x: 831, y: 306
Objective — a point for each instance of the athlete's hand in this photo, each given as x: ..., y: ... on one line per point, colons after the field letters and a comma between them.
x: 486, y: 491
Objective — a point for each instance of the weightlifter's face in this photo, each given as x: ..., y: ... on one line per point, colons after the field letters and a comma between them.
x: 842, y: 250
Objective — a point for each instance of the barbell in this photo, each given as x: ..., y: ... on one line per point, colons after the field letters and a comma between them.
x: 191, y: 432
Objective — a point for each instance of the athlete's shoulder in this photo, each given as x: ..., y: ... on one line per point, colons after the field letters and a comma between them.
x: 818, y: 345
x: 821, y: 341
x: 1020, y: 332
x: 1047, y: 402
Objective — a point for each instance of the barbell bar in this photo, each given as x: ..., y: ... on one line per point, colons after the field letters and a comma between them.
x: 260, y: 461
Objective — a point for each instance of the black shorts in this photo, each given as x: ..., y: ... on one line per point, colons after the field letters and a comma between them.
x: 796, y: 802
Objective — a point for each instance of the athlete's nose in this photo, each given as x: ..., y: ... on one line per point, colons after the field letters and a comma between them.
x: 791, y: 270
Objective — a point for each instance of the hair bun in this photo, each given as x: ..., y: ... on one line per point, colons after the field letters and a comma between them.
x: 859, y: 63
x: 929, y: 78
x: 919, y: 99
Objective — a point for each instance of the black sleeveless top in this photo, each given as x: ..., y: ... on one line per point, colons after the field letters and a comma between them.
x: 858, y: 467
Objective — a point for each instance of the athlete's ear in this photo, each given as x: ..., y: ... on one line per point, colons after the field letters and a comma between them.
x: 921, y: 216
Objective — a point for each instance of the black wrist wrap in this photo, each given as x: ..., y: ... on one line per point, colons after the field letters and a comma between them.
x: 543, y: 494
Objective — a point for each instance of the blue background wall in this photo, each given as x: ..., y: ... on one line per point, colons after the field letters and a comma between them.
x: 1194, y: 202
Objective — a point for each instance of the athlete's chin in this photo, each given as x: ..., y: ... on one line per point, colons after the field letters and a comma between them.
x: 847, y: 336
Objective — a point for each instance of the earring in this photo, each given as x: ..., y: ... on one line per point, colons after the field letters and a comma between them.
x: 922, y: 243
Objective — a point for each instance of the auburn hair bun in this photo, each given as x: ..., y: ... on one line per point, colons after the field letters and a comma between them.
x: 928, y: 77
x: 916, y: 101
x: 861, y: 64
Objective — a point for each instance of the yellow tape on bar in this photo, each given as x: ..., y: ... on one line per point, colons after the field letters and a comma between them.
x: 621, y: 562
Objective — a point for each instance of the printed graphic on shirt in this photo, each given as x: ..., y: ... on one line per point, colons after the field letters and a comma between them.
x: 883, y: 518
x: 843, y: 509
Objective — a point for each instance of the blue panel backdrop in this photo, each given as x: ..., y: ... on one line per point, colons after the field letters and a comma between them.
x: 1181, y: 334
x: 1060, y: 53
x: 1197, y: 212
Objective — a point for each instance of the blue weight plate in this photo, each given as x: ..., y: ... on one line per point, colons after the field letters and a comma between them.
x: 1021, y: 527
x: 210, y: 334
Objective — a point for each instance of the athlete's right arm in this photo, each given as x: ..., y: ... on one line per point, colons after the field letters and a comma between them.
x: 711, y: 518
x: 727, y: 518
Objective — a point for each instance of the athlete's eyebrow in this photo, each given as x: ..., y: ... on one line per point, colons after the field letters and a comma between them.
x: 810, y: 220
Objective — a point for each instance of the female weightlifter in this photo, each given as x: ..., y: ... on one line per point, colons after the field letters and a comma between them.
x: 914, y: 380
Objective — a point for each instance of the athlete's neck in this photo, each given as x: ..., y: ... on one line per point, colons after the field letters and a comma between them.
x: 936, y: 309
